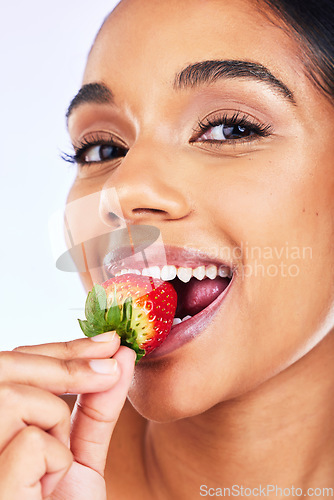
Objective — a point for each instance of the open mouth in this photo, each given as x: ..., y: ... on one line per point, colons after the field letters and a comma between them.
x: 201, y: 286
x: 198, y: 293
x: 196, y: 287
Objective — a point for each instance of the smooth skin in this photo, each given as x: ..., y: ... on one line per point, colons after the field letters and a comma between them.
x: 250, y: 400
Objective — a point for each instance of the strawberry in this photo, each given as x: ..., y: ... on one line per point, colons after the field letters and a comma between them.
x: 140, y: 308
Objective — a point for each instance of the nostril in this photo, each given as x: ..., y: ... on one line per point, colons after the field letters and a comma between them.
x: 144, y: 211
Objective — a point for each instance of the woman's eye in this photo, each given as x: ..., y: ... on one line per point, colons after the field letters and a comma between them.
x: 100, y: 153
x: 225, y: 132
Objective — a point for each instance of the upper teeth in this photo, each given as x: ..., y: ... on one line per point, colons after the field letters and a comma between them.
x: 152, y: 271
x: 184, y: 274
x: 199, y: 272
x: 168, y: 273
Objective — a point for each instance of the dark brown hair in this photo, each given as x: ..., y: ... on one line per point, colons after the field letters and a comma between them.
x: 312, y: 24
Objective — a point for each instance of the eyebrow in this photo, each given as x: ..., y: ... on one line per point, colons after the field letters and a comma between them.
x: 211, y: 71
x: 193, y: 75
x: 96, y: 92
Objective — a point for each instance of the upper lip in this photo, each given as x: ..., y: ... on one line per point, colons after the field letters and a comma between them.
x: 161, y: 255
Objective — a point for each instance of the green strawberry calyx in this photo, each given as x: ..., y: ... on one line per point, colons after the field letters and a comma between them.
x: 100, y: 318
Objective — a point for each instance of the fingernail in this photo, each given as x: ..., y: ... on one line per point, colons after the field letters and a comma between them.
x: 104, y: 366
x: 104, y: 337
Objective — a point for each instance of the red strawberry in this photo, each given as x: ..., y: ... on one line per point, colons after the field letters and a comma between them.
x: 140, y: 308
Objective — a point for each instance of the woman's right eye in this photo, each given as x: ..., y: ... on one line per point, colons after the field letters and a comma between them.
x: 99, y: 153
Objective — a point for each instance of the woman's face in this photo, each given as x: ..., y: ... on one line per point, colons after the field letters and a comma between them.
x: 256, y: 193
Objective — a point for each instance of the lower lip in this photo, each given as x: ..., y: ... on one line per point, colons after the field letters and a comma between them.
x: 187, y: 330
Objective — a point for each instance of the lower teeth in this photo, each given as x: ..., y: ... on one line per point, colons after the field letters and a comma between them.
x: 176, y: 321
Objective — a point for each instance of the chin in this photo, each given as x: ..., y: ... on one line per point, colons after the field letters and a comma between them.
x: 160, y: 393
x: 151, y: 399
x: 160, y: 407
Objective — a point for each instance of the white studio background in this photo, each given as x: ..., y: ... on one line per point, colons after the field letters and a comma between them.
x: 44, y: 46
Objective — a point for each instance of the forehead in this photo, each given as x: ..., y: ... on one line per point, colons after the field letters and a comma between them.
x: 152, y: 40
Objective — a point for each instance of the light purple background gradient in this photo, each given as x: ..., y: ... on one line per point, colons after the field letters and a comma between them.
x: 43, y: 50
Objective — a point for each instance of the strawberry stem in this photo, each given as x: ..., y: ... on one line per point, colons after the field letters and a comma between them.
x: 100, y: 318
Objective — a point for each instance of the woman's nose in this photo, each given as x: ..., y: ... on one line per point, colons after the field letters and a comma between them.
x: 148, y: 187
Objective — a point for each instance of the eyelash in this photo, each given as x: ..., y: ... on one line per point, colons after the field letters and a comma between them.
x: 256, y: 129
x: 238, y: 119
x: 86, y: 143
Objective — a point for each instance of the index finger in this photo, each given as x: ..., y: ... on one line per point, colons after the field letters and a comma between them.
x: 59, y: 376
x: 94, y: 347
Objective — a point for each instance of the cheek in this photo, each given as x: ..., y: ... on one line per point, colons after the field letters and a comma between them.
x: 277, y: 206
x: 279, y: 209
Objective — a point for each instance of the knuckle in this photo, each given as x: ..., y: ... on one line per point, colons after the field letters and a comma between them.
x: 33, y: 437
x: 95, y: 415
x: 6, y: 358
x: 69, y: 367
x: 8, y: 395
x: 72, y: 369
x: 69, y: 349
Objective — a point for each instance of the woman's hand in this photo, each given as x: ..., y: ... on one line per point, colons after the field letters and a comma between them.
x: 42, y: 454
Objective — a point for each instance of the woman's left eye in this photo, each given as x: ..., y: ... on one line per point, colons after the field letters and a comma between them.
x: 225, y: 132
x: 230, y: 129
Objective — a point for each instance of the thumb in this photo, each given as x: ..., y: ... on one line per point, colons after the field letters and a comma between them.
x: 95, y: 416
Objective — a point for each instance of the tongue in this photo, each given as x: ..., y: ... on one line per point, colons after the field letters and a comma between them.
x: 196, y: 295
